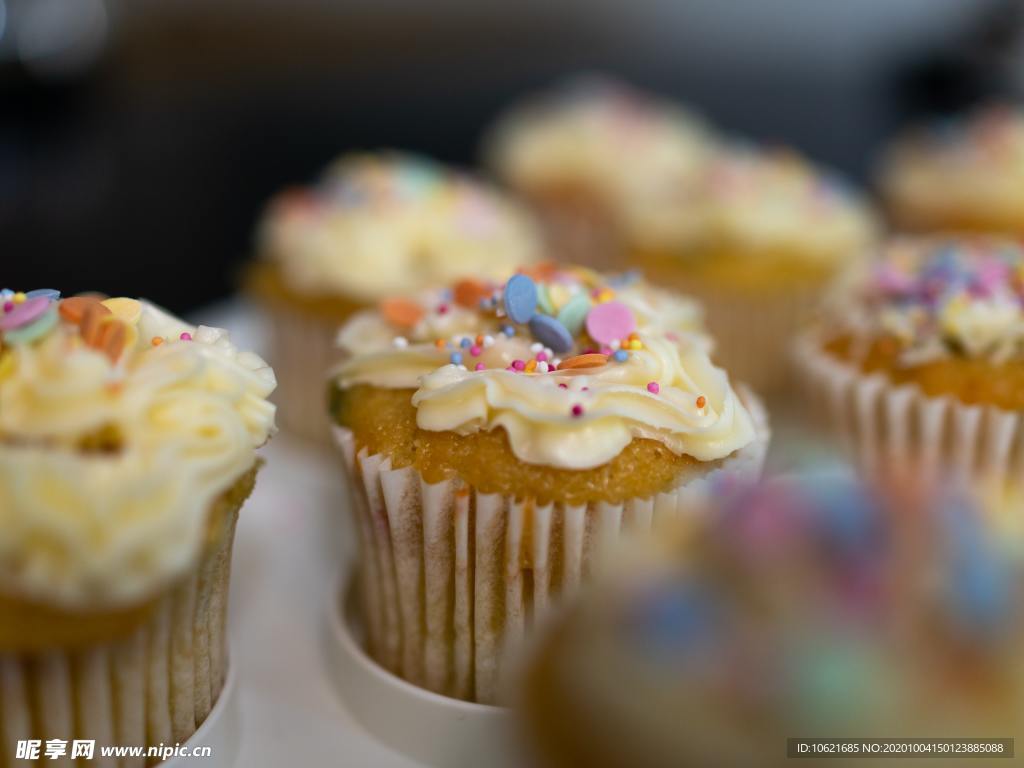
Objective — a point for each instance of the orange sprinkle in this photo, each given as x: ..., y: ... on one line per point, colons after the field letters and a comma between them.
x: 542, y: 271
x: 469, y: 293
x: 156, y: 341
x: 479, y: 340
x: 73, y: 309
x: 439, y: 343
x: 113, y: 337
x: 92, y: 322
x: 590, y: 360
x: 531, y: 366
x: 701, y: 401
x: 400, y: 312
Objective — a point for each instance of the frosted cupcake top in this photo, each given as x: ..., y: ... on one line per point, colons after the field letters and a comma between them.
x: 572, y: 365
x: 387, y: 223
x: 749, y: 202
x: 809, y: 605
x: 627, y: 147
x: 972, y: 164
x: 941, y: 297
x: 119, y: 426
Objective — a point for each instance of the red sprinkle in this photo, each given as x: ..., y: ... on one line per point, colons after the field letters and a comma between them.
x: 653, y: 388
x: 442, y: 309
x: 577, y: 411
x: 563, y: 385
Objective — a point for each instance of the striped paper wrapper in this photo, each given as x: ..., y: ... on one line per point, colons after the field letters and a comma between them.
x: 885, y: 426
x: 154, y: 686
x: 453, y: 578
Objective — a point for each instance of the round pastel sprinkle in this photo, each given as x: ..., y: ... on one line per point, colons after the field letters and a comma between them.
x: 74, y: 309
x: 475, y: 350
x: 589, y: 360
x: 518, y: 365
x: 456, y: 358
x: 520, y: 298
x: 544, y: 299
x: 186, y: 336
x: 44, y: 293
x: 400, y: 342
x: 466, y: 343
x: 23, y: 313
x: 478, y: 367
x: 41, y: 326
x: 400, y: 312
x: 508, y: 330
x: 609, y: 321
x: 577, y: 411
x: 471, y: 293
x: 653, y: 387
x: 551, y: 333
x: 620, y: 355
x: 126, y: 310
x: 702, y: 401
x: 574, y: 313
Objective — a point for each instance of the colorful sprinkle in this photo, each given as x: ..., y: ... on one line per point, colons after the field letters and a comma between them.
x: 156, y: 341
x: 456, y: 358
x: 653, y: 387
x: 620, y: 356
x: 479, y: 367
x: 520, y: 298
x: 402, y: 313
x: 574, y: 313
x: 469, y: 293
x: 609, y: 321
x: 518, y: 365
x: 590, y: 360
x: 702, y: 401
x: 577, y: 411
x: 186, y: 336
x: 551, y: 333
x: 23, y: 313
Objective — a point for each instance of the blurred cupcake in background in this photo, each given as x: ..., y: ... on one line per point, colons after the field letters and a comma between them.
x: 500, y: 434
x: 594, y: 156
x: 809, y: 607
x: 756, y: 239
x: 127, y: 447
x: 964, y: 175
x: 919, y: 358
x: 375, y: 226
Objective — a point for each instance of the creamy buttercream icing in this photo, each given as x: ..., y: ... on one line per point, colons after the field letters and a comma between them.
x: 630, y: 148
x: 388, y: 223
x: 572, y: 366
x: 749, y: 201
x: 939, y: 297
x: 971, y: 164
x: 119, y: 427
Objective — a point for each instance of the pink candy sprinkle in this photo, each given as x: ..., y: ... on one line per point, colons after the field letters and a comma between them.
x: 563, y: 385
x: 653, y: 388
x: 577, y: 411
x: 475, y: 350
x: 610, y: 321
x: 542, y: 357
x: 518, y: 365
x: 186, y: 336
x: 8, y: 306
x: 478, y: 367
x: 442, y: 309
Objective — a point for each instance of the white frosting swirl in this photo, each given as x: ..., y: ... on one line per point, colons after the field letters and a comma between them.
x: 104, y: 529
x: 693, y: 410
x: 379, y: 225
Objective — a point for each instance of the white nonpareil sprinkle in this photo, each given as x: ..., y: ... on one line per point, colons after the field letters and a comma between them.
x: 400, y: 342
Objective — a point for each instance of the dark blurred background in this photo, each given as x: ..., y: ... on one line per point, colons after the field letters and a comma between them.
x: 139, y: 139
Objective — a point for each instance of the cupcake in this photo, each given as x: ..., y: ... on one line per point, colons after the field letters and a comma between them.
x: 377, y: 225
x: 808, y: 608
x: 500, y: 436
x: 599, y: 160
x: 127, y: 447
x: 965, y: 175
x: 756, y: 240
x: 918, y: 360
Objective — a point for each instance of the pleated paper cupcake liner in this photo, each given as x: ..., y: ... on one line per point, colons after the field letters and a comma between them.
x: 887, y: 427
x: 452, y: 577
x: 154, y: 686
x: 302, y: 351
x: 580, y: 230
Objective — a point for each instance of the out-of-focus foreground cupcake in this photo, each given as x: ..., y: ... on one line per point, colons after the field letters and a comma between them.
x: 599, y: 160
x: 807, y: 608
x: 375, y: 226
x: 756, y: 239
x: 499, y: 435
x: 127, y: 448
x: 963, y: 175
x: 919, y: 358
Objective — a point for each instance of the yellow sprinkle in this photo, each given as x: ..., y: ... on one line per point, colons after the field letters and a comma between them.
x: 126, y: 310
x: 20, y: 298
x: 635, y: 344
x: 605, y: 295
x: 531, y: 366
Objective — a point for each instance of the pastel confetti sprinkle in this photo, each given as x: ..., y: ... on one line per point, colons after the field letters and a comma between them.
x: 609, y: 321
x: 520, y: 298
x: 551, y: 333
